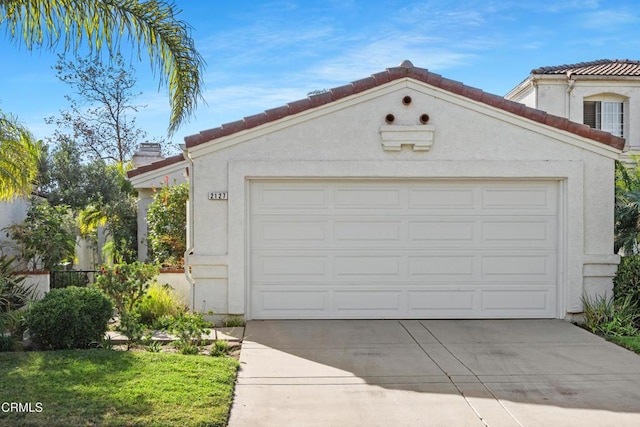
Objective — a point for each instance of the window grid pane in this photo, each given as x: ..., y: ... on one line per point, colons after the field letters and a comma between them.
x: 611, y: 117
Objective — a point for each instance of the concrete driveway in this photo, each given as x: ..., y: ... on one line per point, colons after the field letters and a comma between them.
x: 433, y: 373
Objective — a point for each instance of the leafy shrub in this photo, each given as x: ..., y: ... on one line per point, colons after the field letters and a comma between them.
x: 7, y: 343
x: 220, y: 348
x: 14, y: 295
x: 609, y: 317
x: 160, y: 300
x: 131, y: 327
x: 189, y: 328
x: 154, y: 347
x: 234, y: 321
x: 627, y: 280
x: 126, y: 284
x: 163, y: 323
x: 69, y: 318
x: 167, y: 217
x: 46, y: 238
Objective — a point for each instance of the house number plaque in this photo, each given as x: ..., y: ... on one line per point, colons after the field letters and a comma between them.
x: 219, y: 196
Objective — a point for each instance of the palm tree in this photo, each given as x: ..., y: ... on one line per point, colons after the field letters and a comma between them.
x: 99, y: 24
x: 19, y: 158
x: 102, y: 24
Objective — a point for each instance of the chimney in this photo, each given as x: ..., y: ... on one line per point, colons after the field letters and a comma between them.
x: 147, y: 153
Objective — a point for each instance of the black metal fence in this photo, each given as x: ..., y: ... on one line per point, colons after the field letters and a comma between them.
x: 64, y: 278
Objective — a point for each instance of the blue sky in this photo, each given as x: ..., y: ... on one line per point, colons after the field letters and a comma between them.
x: 263, y: 54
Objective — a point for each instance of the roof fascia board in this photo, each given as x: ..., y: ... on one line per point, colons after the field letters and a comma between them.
x: 150, y: 179
x: 523, y: 88
x: 635, y: 80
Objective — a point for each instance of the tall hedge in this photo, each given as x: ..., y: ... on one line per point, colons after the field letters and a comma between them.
x: 627, y: 279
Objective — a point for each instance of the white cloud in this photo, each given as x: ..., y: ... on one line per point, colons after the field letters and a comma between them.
x: 608, y: 20
x: 362, y: 61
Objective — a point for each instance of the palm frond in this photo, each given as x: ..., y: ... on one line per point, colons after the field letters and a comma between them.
x: 102, y: 24
x: 19, y: 158
x: 91, y: 218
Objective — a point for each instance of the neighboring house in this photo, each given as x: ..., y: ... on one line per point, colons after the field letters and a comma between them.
x: 604, y: 94
x: 11, y: 212
x: 401, y: 195
x: 151, y: 172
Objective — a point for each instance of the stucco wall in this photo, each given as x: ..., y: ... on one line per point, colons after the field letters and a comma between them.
x: 11, y: 213
x: 342, y: 139
x: 178, y: 281
x: 40, y: 282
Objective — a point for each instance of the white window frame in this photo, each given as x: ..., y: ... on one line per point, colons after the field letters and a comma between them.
x: 609, y: 114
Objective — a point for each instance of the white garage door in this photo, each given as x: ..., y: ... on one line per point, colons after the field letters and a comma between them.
x: 403, y: 249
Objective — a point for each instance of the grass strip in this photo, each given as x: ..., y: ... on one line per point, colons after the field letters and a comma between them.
x: 629, y: 342
x: 115, y: 388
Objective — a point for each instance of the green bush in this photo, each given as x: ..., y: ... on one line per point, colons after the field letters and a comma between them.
x: 7, y: 343
x: 220, y: 348
x: 627, y: 280
x: 69, y: 318
x: 609, y: 317
x: 160, y: 301
x: 46, y: 238
x: 167, y: 217
x: 189, y: 328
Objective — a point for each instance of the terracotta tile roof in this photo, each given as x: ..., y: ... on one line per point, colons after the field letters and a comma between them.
x: 155, y: 165
x: 405, y: 70
x: 601, y: 67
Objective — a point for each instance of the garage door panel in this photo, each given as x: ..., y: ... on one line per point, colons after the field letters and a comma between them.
x: 282, y: 198
x: 519, y: 268
x: 442, y: 267
x: 368, y: 301
x: 437, y: 231
x: 519, y: 198
x: 424, y: 303
x: 442, y: 197
x: 350, y: 231
x: 364, y: 267
x: 279, y: 301
x: 291, y: 267
x: 375, y: 248
x: 539, y: 232
x: 367, y: 198
x: 291, y: 231
x: 418, y: 232
x: 517, y: 300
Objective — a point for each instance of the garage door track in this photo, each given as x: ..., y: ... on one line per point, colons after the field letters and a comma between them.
x: 433, y: 373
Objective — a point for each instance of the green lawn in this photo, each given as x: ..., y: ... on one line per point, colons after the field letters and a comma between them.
x: 116, y: 388
x: 632, y: 343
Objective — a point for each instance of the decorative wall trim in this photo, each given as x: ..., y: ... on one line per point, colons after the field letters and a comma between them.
x: 420, y: 137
